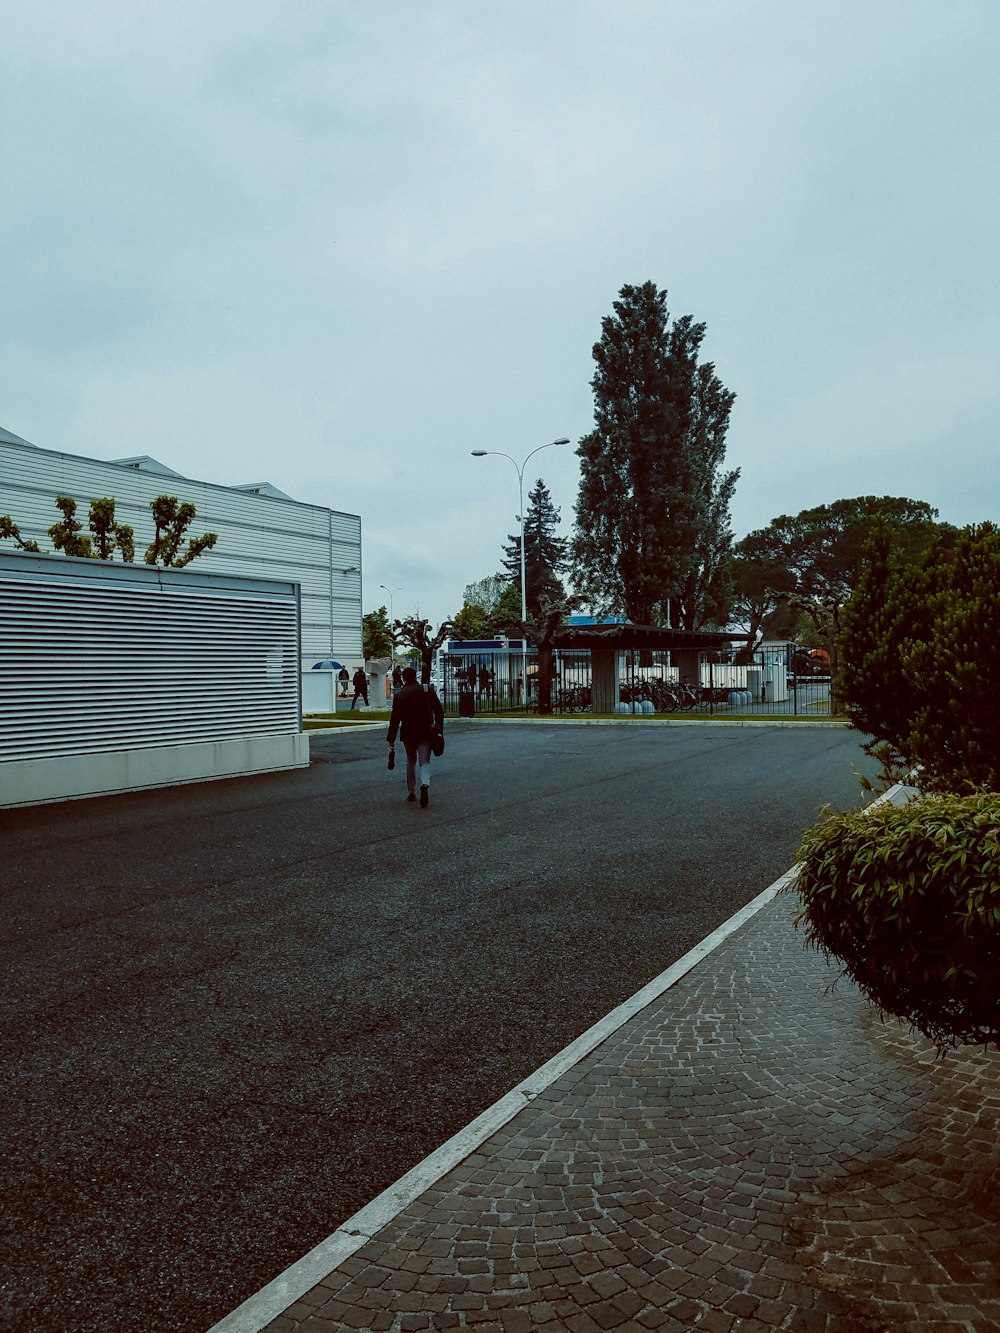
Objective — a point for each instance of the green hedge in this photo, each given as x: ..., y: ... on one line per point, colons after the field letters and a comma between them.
x: 908, y: 898
x: 920, y: 671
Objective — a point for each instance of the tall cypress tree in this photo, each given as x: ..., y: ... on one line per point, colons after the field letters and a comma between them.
x: 545, y: 554
x: 652, y: 517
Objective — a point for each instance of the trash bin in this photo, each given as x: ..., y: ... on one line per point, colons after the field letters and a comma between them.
x: 466, y: 703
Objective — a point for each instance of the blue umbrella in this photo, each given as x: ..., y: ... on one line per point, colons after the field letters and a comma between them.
x: 328, y: 666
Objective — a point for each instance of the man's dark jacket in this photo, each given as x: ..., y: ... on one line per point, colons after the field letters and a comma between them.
x: 416, y: 715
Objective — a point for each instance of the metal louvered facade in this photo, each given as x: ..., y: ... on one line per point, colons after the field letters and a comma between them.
x: 261, y: 535
x: 114, y: 677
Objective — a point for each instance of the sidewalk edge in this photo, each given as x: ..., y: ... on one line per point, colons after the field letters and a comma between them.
x: 265, y: 1305
x: 260, y: 1309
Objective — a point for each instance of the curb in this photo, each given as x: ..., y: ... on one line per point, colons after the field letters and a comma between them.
x: 260, y: 1309
x: 635, y: 720
x: 626, y: 719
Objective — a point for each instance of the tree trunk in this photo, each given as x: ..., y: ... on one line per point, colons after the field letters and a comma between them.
x: 545, y: 678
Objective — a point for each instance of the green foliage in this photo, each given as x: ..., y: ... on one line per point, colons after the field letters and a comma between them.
x: 376, y: 632
x: 172, y: 520
x: 471, y: 622
x: 652, y: 517
x: 507, y: 612
x: 908, y: 898
x: 477, y: 620
x: 545, y: 554
x: 109, y: 534
x: 920, y: 671
x: 762, y: 587
x: 486, y: 592
x: 813, y: 560
x: 10, y: 531
x: 66, y: 535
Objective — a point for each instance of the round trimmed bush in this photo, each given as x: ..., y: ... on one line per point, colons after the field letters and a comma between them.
x: 908, y: 898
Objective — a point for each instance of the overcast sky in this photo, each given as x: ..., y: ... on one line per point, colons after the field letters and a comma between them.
x: 337, y: 246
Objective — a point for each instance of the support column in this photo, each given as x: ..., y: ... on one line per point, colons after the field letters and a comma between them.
x: 688, y: 664
x: 604, y: 667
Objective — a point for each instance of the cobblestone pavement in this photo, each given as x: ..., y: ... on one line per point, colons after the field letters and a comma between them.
x: 752, y: 1151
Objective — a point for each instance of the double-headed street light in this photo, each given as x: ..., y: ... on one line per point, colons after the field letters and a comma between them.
x: 519, y: 469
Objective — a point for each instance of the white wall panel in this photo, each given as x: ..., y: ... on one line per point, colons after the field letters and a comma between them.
x: 97, y: 657
x: 260, y: 536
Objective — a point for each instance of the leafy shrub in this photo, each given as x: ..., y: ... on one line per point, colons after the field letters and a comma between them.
x: 908, y: 898
x: 920, y: 668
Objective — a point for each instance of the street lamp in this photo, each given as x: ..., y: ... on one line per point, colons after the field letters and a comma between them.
x: 392, y: 634
x: 390, y: 591
x: 486, y: 453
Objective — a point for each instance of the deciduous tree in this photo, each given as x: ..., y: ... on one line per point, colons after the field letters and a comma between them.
x: 67, y: 535
x: 109, y: 534
x: 471, y: 622
x: 541, y: 628
x: 422, y: 636
x: 813, y: 560
x: 11, y: 532
x: 486, y: 592
x: 171, y: 520
x: 652, y: 516
x: 376, y: 634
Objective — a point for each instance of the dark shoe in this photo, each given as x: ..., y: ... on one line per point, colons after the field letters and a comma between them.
x: 424, y: 795
x: 411, y: 796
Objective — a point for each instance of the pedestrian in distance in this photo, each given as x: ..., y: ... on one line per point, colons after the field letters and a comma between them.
x: 417, y: 715
x: 360, y: 687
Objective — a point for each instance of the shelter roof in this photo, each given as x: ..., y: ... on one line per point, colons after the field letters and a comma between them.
x: 625, y: 637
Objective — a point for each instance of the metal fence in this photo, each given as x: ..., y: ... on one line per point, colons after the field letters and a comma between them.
x: 781, y: 680
x: 778, y: 681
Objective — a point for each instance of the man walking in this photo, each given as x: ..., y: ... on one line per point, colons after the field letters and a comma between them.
x: 416, y: 714
x: 360, y: 687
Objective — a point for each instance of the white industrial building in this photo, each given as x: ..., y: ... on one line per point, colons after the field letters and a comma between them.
x: 262, y: 532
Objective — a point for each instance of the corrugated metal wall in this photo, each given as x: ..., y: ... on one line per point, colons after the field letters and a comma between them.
x: 100, y: 658
x: 260, y: 536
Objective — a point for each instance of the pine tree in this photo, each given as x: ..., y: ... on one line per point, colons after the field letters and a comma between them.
x: 545, y: 555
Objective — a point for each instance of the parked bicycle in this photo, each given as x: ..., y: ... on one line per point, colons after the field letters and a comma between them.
x: 574, y: 699
x: 666, y: 696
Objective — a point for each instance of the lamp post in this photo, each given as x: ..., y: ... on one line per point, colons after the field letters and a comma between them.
x: 392, y: 636
x: 390, y: 591
x: 519, y: 469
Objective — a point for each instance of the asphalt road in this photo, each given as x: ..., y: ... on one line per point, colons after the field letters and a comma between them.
x: 233, y: 1013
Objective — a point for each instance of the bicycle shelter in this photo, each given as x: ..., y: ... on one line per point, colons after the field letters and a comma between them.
x: 606, y: 642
